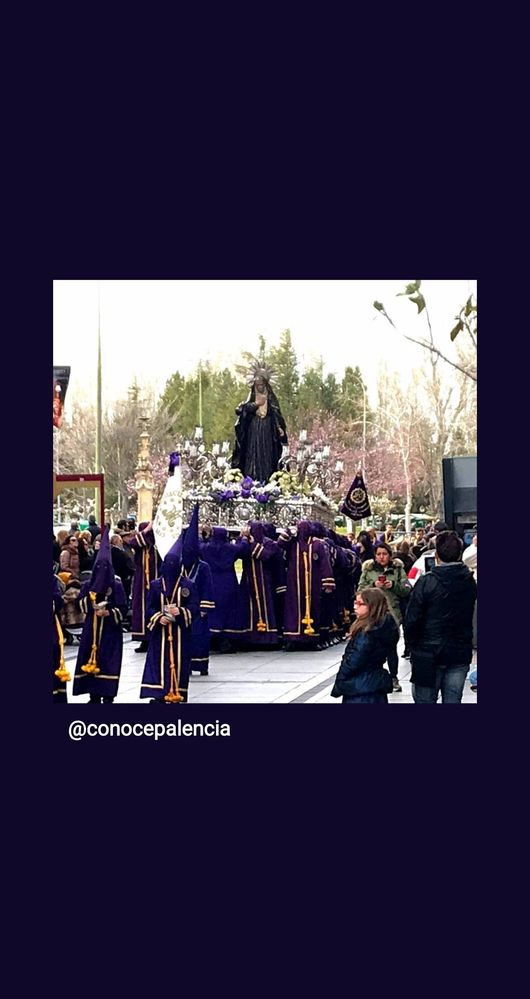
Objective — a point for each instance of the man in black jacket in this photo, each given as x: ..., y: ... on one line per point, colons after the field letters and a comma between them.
x: 438, y: 625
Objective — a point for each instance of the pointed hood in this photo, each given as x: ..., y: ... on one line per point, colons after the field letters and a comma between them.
x: 102, y: 571
x: 190, y: 547
x: 256, y: 530
x: 219, y: 534
x: 305, y: 529
x: 172, y: 564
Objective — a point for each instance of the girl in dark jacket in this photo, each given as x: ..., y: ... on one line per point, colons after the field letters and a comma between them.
x: 361, y: 678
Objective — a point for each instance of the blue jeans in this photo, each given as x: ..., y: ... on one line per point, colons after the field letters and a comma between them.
x: 449, y: 679
x: 473, y: 676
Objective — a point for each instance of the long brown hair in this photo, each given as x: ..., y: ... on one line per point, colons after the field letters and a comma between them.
x: 377, y: 605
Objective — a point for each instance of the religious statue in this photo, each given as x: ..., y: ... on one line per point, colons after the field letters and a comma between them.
x: 260, y: 428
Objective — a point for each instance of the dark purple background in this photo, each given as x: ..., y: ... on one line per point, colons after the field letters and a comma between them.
x: 382, y: 807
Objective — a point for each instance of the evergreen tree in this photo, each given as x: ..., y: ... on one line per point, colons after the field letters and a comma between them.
x: 224, y: 393
x: 330, y: 395
x: 172, y: 397
x: 310, y: 401
x: 351, y: 398
x: 283, y: 360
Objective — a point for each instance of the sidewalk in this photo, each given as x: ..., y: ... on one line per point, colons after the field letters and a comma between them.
x: 264, y: 676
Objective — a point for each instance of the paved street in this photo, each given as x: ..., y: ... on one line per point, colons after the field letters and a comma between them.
x: 263, y: 676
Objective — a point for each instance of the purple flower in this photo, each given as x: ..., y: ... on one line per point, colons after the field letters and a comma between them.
x: 245, y: 493
x: 174, y: 461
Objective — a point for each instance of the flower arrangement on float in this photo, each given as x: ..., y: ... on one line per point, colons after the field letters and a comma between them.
x: 282, y: 485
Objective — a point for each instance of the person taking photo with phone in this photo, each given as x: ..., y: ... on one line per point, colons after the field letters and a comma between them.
x: 387, y: 573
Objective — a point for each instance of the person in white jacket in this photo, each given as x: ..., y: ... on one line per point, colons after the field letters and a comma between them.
x: 419, y: 568
x: 469, y: 556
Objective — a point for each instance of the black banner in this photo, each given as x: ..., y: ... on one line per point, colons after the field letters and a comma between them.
x: 356, y: 505
x: 61, y: 377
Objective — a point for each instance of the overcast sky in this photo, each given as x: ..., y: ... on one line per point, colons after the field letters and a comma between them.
x: 150, y: 329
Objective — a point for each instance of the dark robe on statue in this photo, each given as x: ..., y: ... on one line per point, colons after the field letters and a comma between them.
x: 256, y: 592
x: 59, y: 686
x: 308, y: 573
x: 221, y: 555
x: 259, y: 438
x: 147, y: 568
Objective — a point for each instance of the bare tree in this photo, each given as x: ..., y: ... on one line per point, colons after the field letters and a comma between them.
x: 396, y: 426
x: 465, y: 321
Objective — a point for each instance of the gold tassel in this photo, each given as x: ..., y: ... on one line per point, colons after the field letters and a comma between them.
x: 91, y: 666
x: 173, y: 696
x: 308, y: 620
x: 61, y: 671
x: 261, y: 626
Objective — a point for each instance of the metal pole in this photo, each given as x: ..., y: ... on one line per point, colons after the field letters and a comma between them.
x: 98, y: 399
x: 200, y: 395
x: 363, y: 458
x: 364, y: 427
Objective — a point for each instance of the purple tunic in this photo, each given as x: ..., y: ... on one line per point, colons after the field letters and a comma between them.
x: 278, y: 568
x: 308, y: 572
x: 108, y: 635
x: 221, y: 555
x: 169, y: 644
x: 257, y: 615
x: 147, y: 568
x: 201, y: 575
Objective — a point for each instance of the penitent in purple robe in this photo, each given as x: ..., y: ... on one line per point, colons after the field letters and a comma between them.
x: 308, y: 573
x: 107, y: 634
x: 59, y: 686
x: 221, y: 555
x: 278, y: 568
x: 200, y: 574
x: 169, y: 645
x: 147, y: 568
x: 346, y: 570
x: 257, y: 613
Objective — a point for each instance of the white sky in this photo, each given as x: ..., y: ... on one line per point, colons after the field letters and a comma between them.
x: 150, y: 329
